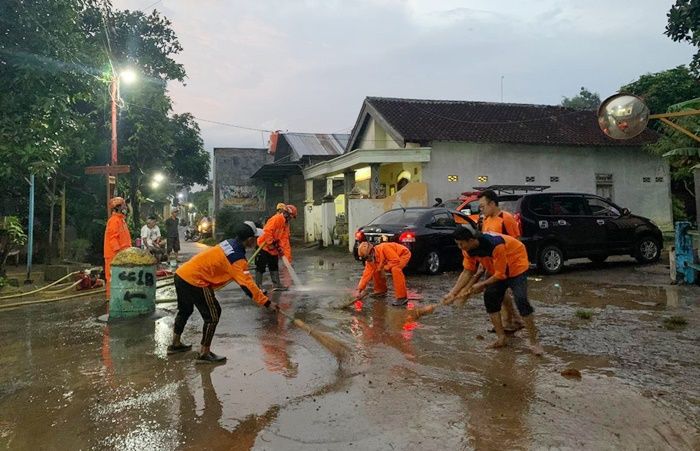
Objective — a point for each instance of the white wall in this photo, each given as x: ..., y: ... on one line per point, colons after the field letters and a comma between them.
x: 363, y: 211
x: 312, y: 223
x: 575, y: 166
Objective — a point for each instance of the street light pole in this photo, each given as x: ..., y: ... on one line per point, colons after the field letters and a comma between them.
x: 114, y: 94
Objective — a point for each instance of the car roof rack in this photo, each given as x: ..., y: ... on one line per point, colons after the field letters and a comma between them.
x: 512, y: 189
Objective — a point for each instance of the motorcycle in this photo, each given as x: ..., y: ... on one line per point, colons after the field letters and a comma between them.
x: 191, y: 234
x: 204, y: 228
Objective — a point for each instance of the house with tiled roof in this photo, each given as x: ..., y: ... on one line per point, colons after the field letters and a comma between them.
x: 449, y: 147
x: 282, y: 177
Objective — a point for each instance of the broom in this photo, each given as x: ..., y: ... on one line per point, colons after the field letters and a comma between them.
x: 336, y: 347
x: 255, y: 254
x: 430, y: 308
x: 352, y: 300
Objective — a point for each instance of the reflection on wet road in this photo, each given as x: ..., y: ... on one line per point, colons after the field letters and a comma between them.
x: 70, y: 382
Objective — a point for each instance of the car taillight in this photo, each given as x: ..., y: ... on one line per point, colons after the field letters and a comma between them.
x: 407, y: 237
x: 359, y: 235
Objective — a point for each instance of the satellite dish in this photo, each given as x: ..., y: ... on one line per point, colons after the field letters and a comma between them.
x: 623, y: 116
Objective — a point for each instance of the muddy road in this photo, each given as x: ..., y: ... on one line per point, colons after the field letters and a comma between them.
x: 70, y: 382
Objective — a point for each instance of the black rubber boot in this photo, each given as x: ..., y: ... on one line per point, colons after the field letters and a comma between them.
x: 276, y: 283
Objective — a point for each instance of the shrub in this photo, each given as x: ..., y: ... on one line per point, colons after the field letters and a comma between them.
x: 78, y: 250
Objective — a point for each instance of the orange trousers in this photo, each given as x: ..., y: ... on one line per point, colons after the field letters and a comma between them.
x: 108, y: 276
x: 399, y: 282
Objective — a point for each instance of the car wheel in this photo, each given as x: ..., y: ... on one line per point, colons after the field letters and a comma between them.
x: 598, y: 259
x: 647, y: 250
x: 432, y: 263
x: 550, y: 259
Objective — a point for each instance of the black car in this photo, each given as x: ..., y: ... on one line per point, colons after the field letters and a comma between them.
x: 560, y: 226
x: 426, y: 232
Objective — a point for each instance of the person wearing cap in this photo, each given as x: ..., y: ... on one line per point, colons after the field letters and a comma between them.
x: 117, y: 236
x: 379, y: 259
x: 150, y: 237
x: 275, y: 244
x: 505, y: 260
x: 196, y: 280
x: 172, y: 233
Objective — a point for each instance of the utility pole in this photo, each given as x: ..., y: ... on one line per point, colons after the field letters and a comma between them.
x: 30, y: 230
x: 63, y: 223
x: 502, y: 88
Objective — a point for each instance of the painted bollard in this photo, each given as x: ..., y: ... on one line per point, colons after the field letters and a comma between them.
x: 133, y: 290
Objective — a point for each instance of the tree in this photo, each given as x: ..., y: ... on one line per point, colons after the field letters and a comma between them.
x: 585, y: 100
x: 671, y: 91
x: 663, y: 89
x: 684, y: 26
x: 190, y: 160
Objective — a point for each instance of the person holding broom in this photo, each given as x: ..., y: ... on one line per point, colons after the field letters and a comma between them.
x: 275, y: 244
x: 505, y: 260
x: 499, y: 221
x: 196, y: 280
x: 379, y: 259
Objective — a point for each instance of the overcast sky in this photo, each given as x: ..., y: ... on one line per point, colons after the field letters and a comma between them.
x: 307, y: 65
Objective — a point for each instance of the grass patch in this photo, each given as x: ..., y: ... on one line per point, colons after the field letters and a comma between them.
x: 675, y: 322
x: 584, y: 314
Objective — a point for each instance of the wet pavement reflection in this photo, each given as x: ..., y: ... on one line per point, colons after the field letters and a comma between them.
x: 71, y: 382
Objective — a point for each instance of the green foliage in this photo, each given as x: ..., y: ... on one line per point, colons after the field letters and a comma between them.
x: 211, y: 241
x: 585, y: 100
x: 56, y: 65
x: 12, y: 238
x: 662, y: 89
x: 200, y: 199
x: 584, y: 314
x: 674, y: 90
x: 684, y: 26
x: 78, y: 250
x: 228, y: 219
x: 675, y: 322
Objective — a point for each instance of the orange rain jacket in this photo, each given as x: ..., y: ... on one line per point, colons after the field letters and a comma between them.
x: 504, y: 223
x: 501, y: 255
x: 117, y: 236
x: 276, y: 234
x: 393, y: 255
x: 220, y: 265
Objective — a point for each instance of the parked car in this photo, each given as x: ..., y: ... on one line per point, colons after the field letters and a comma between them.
x: 426, y: 232
x: 560, y: 226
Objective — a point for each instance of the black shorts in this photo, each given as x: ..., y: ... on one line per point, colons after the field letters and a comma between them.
x: 264, y: 260
x: 493, y: 296
x: 173, y: 244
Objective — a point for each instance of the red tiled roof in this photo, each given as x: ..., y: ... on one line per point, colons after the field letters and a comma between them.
x: 423, y: 121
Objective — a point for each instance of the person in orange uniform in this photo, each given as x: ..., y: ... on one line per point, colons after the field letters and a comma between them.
x: 196, y: 280
x: 117, y: 236
x: 505, y: 260
x: 392, y: 257
x: 275, y: 242
x: 499, y: 221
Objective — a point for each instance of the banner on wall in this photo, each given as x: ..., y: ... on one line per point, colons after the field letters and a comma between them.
x: 243, y: 197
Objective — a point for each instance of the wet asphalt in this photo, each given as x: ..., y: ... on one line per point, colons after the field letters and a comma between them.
x: 71, y: 382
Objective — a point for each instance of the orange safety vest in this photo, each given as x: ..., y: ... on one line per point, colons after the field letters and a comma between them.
x: 504, y: 223
x: 220, y: 265
x: 117, y: 236
x: 501, y: 255
x: 385, y: 254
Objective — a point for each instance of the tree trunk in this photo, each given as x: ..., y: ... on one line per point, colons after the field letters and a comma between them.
x: 51, y: 218
x: 135, y: 201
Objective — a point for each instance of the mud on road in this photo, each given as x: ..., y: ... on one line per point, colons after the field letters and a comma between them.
x: 70, y: 382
